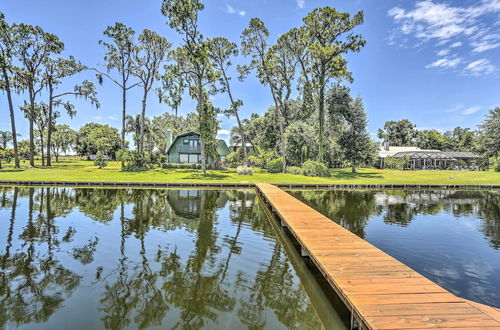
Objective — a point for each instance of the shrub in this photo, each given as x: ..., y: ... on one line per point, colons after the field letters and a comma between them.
x: 101, y: 161
x: 133, y: 161
x: 315, y: 168
x: 295, y: 170
x: 496, y: 166
x: 193, y: 166
x: 233, y: 159
x: 254, y: 161
x: 275, y: 165
x: 243, y: 170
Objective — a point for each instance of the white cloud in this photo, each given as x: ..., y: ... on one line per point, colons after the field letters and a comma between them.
x: 483, y: 46
x: 442, y: 22
x: 113, y: 117
x: 471, y: 110
x: 445, y: 63
x: 223, y: 132
x: 455, y: 109
x: 482, y: 66
x: 301, y: 3
x: 443, y: 52
x: 232, y: 10
x: 97, y: 117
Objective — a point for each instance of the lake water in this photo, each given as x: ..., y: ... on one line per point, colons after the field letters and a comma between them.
x: 84, y: 258
x: 450, y: 237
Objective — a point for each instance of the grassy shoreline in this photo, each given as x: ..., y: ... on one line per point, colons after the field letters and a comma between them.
x: 86, y: 171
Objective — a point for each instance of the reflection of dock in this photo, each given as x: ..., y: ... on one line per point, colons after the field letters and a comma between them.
x: 380, y: 292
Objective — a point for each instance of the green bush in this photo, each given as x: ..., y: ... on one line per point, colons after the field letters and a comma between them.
x: 315, y: 168
x: 233, y: 159
x: 192, y: 166
x: 254, y: 161
x: 496, y: 166
x: 243, y: 170
x: 134, y: 161
x: 295, y: 170
x: 101, y: 161
x: 275, y: 165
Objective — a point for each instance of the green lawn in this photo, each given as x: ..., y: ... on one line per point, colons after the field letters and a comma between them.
x: 71, y: 170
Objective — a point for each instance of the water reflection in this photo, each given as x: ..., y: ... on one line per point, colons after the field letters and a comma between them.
x: 129, y: 258
x: 452, y: 237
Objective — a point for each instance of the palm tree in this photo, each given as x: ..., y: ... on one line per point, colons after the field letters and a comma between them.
x: 133, y: 125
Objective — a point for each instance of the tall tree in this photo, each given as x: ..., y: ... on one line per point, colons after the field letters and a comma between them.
x: 32, y: 47
x: 151, y: 52
x: 254, y: 43
x: 460, y: 139
x: 329, y: 36
x: 192, y: 59
x: 120, y: 52
x: 171, y: 91
x: 5, y: 138
x: 355, y: 140
x: 6, y: 52
x: 490, y: 133
x: 222, y: 50
x: 398, y: 132
x: 64, y: 139
x: 430, y: 139
x: 55, y: 72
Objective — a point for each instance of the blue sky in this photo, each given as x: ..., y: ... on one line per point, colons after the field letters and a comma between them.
x: 436, y: 62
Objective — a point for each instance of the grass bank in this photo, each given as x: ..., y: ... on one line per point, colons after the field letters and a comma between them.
x: 72, y: 170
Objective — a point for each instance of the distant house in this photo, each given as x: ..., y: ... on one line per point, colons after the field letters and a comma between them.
x: 235, y: 144
x: 420, y: 159
x: 186, y: 148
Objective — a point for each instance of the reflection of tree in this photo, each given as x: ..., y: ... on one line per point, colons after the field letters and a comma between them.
x: 273, y: 288
x: 400, y: 214
x: 350, y: 209
x: 489, y: 210
x: 33, y: 284
x: 196, y: 282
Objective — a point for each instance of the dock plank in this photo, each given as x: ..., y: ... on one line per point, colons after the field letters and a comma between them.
x: 380, y: 291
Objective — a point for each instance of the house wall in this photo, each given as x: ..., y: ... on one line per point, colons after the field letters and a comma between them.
x: 174, y: 155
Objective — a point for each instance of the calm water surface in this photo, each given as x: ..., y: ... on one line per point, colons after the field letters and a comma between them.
x: 451, y: 237
x: 130, y: 258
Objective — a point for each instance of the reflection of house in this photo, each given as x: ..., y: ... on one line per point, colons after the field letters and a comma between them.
x: 415, y: 158
x: 187, y: 203
x: 235, y: 144
x: 186, y: 148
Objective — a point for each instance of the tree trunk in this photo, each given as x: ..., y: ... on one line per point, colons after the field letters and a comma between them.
x: 12, y: 118
x: 353, y: 167
x: 49, y: 125
x: 41, y: 148
x: 243, y: 140
x: 143, y: 118
x: 202, y: 144
x: 31, y: 120
x: 124, y: 113
x: 321, y: 115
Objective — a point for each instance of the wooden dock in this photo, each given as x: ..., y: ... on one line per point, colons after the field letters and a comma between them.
x: 380, y: 291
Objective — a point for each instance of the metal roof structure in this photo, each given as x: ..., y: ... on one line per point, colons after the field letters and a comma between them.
x: 423, y: 154
x: 462, y: 154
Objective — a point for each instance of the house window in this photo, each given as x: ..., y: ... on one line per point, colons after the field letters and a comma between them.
x: 185, y: 141
x: 193, y: 158
x: 184, y: 158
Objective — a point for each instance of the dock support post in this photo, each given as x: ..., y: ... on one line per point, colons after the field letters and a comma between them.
x: 303, y: 252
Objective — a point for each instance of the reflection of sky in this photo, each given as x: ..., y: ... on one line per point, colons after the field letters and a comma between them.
x: 447, y: 249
